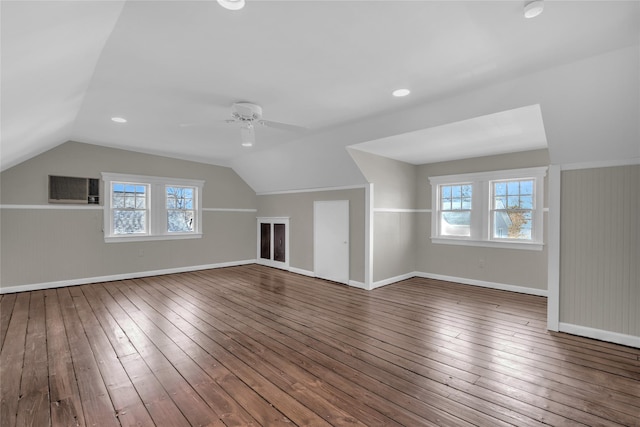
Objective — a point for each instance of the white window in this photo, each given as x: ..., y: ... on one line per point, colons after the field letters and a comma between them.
x: 129, y: 208
x: 180, y: 209
x: 151, y: 208
x: 512, y: 209
x: 455, y: 209
x: 498, y: 209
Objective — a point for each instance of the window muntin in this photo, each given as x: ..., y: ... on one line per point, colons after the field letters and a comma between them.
x: 151, y: 208
x: 512, y: 209
x: 180, y: 209
x: 129, y: 211
x: 504, y: 208
x: 455, y: 210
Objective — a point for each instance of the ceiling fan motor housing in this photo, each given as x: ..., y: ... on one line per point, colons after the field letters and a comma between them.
x: 246, y: 112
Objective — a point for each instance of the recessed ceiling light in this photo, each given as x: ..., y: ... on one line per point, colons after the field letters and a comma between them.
x: 401, y: 92
x: 231, y: 4
x: 118, y: 119
x: 533, y: 8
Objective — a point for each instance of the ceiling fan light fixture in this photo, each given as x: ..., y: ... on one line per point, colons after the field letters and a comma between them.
x: 247, y: 135
x: 231, y: 4
x: 533, y: 8
x: 399, y: 93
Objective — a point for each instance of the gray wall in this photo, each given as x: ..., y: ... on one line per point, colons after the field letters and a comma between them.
x: 42, y: 245
x: 599, y: 250
x: 299, y: 208
x: 394, y: 229
x: 402, y: 228
x: 504, y: 266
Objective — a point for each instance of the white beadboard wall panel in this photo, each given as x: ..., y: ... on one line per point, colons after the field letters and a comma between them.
x: 599, y: 253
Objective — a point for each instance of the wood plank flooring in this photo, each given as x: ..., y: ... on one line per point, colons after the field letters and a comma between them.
x: 251, y: 345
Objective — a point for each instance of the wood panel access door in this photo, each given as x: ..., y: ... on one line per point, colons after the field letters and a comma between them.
x: 273, y: 242
x: 331, y: 240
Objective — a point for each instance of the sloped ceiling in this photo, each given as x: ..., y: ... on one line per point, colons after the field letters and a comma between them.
x: 330, y: 66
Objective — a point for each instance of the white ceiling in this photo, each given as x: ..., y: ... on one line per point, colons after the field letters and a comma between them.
x: 330, y: 66
x: 512, y: 131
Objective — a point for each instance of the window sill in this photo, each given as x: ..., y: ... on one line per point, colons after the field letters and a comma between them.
x: 529, y: 246
x: 146, y: 238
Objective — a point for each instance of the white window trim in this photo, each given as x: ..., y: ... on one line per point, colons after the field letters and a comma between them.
x: 157, y: 221
x: 481, y: 203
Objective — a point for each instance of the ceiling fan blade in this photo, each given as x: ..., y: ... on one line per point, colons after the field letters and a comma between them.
x: 283, y: 126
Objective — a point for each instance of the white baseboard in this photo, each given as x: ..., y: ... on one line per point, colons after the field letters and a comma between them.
x: 357, y: 284
x: 463, y: 280
x: 309, y: 273
x: 395, y: 279
x: 484, y: 284
x: 599, y: 334
x: 302, y: 271
x: 136, y: 275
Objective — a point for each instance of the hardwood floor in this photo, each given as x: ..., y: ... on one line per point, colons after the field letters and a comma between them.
x: 253, y: 345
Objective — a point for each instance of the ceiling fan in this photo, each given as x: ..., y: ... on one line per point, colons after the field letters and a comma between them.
x: 248, y: 115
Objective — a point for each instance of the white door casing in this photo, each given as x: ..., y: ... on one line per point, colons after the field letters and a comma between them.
x: 271, y: 262
x: 331, y: 240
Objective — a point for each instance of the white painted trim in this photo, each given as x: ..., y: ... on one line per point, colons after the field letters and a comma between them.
x: 54, y: 207
x: 302, y: 271
x: 395, y: 279
x: 484, y: 284
x: 357, y: 284
x: 228, y: 210
x: 529, y: 246
x: 599, y: 334
x: 110, y: 278
x: 553, y: 252
x: 312, y: 190
x: 462, y: 280
x: 398, y: 210
x: 481, y: 228
x: 328, y: 259
x: 151, y: 237
x: 308, y: 273
x: 156, y: 207
x: 601, y: 164
x: 100, y: 207
x: 368, y: 236
x: 271, y: 262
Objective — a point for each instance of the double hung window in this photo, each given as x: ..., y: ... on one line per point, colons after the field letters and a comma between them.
x: 512, y: 209
x: 180, y: 209
x: 499, y: 209
x: 151, y: 208
x: 455, y: 209
x: 129, y: 208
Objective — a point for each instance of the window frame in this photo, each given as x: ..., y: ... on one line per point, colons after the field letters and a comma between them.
x: 441, y: 211
x: 146, y: 210
x: 157, y: 217
x: 481, y: 233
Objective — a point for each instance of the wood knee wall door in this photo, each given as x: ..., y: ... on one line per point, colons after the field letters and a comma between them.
x: 279, y: 242
x: 273, y: 242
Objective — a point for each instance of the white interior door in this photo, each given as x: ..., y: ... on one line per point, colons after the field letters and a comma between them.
x: 331, y: 240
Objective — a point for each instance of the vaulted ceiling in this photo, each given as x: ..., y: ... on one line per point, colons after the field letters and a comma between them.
x: 174, y: 68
